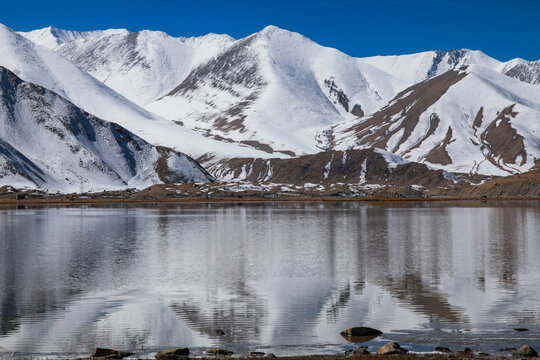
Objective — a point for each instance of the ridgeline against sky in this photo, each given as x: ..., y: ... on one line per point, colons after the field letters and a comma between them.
x: 501, y: 29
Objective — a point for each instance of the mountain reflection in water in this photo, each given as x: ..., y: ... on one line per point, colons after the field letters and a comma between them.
x: 266, y: 275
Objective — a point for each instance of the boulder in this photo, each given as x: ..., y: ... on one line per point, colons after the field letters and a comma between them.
x: 525, y: 351
x: 102, y: 353
x: 392, y: 348
x: 362, y: 350
x: 173, y: 354
x: 219, y: 352
x: 361, y: 331
x: 256, y: 353
x: 442, y: 349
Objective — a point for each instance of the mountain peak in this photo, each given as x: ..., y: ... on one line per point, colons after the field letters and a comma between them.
x: 271, y: 31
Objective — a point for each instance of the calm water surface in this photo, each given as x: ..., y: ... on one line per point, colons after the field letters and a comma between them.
x: 277, y: 277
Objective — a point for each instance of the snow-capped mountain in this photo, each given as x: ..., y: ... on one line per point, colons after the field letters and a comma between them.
x: 47, y: 142
x: 277, y: 94
x: 39, y: 65
x: 473, y: 120
x: 276, y: 90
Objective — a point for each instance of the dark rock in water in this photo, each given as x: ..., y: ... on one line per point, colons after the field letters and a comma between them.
x: 101, y: 353
x: 442, y: 349
x: 483, y: 354
x: 220, y: 332
x: 392, y: 348
x: 256, y: 353
x: 173, y: 354
x: 362, y: 350
x: 506, y: 349
x: 525, y: 351
x: 361, y: 331
x: 219, y: 352
x: 358, y: 339
x: 521, y: 329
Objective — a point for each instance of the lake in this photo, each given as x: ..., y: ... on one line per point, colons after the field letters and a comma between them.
x: 281, y: 277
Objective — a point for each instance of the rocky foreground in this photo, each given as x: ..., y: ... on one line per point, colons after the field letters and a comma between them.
x: 353, y: 335
x: 390, y: 349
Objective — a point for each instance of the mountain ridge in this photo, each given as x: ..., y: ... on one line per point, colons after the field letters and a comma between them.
x: 278, y: 94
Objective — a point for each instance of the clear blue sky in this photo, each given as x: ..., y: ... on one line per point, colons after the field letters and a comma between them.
x: 503, y: 29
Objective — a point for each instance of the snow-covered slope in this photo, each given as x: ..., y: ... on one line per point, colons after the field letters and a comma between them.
x: 44, y: 67
x: 51, y: 37
x: 472, y: 121
x: 47, y: 142
x: 142, y: 65
x: 415, y: 68
x: 276, y: 90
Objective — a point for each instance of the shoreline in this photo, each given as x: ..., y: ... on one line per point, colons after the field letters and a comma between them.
x: 62, y: 200
x: 222, y: 354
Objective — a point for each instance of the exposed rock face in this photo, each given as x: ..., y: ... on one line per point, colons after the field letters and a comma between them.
x: 357, y: 110
x: 527, y: 72
x: 404, y: 110
x: 392, y: 348
x: 338, y: 94
x: 502, y: 140
x: 453, y: 59
x: 367, y: 166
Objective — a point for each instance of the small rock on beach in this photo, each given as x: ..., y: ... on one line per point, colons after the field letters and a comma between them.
x: 392, y: 348
x: 102, y: 353
x: 219, y: 352
x: 173, y: 354
x: 362, y: 350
